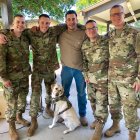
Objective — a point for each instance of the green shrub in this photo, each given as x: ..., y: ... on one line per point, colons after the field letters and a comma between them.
x: 0, y: 84
x: 31, y: 57
x: 58, y: 54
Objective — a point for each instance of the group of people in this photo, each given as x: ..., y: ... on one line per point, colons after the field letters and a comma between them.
x: 15, y: 68
x: 108, y: 65
x: 111, y: 70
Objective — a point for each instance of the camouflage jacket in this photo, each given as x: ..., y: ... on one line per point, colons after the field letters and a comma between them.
x: 44, y: 49
x: 95, y: 59
x: 14, y: 57
x: 124, y: 49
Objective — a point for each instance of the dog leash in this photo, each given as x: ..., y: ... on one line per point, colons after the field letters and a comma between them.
x: 63, y: 98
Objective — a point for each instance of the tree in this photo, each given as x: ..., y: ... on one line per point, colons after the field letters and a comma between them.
x: 80, y: 4
x: 32, y: 8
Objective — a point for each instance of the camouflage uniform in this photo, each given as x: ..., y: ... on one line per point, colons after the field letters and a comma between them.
x: 95, y: 68
x: 124, y: 50
x: 45, y: 63
x: 14, y: 66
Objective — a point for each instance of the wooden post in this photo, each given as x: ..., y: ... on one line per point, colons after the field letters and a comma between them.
x: 6, y: 12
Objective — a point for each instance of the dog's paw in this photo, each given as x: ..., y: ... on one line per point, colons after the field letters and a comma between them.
x: 65, y: 132
x: 50, y: 126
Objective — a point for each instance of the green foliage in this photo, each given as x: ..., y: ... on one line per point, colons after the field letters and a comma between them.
x: 80, y: 4
x: 58, y: 54
x: 137, y: 24
x: 55, y: 8
x: 0, y: 85
x: 102, y: 29
x: 31, y: 56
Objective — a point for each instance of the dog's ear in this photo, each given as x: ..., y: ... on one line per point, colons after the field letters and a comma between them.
x: 52, y: 86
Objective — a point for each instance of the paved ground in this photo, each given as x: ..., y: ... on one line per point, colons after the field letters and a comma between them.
x: 44, y: 133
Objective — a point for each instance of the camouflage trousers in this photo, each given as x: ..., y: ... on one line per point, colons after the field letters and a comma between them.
x: 123, y: 94
x: 16, y: 100
x: 49, y: 79
x: 98, y: 98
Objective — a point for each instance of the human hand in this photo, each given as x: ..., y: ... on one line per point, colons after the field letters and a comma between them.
x: 34, y: 29
x: 136, y: 86
x: 87, y: 80
x: 8, y: 86
x: 3, y: 39
x: 7, y: 83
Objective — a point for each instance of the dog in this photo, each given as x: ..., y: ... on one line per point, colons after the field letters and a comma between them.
x: 63, y: 109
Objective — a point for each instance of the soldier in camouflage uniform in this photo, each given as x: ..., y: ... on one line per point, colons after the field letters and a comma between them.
x: 14, y: 72
x: 95, y: 68
x: 124, y: 73
x: 45, y: 62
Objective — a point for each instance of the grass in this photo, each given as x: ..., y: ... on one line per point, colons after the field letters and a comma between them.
x: 58, y: 54
x: 31, y: 57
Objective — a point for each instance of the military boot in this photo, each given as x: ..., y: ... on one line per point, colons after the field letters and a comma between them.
x: 113, y: 129
x: 98, y: 131
x: 132, y: 135
x: 21, y: 120
x: 33, y: 127
x: 49, y: 110
x: 12, y: 131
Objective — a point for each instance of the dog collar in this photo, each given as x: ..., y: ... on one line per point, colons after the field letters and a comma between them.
x: 62, y: 98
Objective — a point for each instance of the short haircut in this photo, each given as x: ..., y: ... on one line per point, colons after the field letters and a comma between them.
x: 90, y: 21
x: 70, y: 12
x: 19, y: 15
x: 44, y: 15
x: 117, y: 6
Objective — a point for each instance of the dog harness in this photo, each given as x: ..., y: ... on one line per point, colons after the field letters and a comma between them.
x: 62, y: 98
